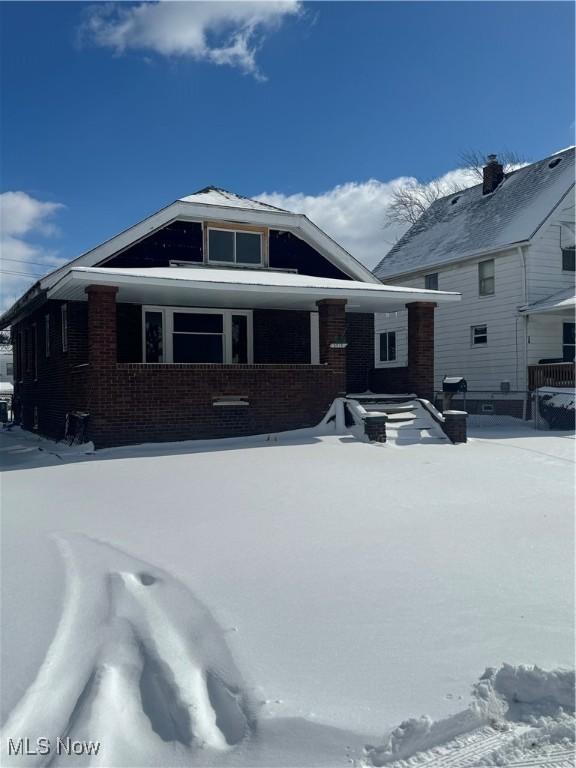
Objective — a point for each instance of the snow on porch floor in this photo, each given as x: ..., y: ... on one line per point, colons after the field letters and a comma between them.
x: 354, y: 585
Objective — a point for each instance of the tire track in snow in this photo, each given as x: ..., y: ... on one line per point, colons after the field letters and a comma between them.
x: 475, y: 749
x: 137, y: 662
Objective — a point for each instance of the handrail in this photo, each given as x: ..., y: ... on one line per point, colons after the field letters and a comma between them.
x: 550, y: 375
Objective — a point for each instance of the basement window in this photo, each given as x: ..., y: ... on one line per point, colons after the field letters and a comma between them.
x: 227, y: 246
x: 182, y: 335
x: 479, y: 334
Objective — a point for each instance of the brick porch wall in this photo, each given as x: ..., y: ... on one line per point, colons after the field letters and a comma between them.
x: 146, y: 403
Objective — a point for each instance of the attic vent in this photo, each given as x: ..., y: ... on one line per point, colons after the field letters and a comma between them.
x: 455, y: 200
x: 555, y: 162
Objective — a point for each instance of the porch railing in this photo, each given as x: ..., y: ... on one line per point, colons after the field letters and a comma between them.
x: 550, y: 375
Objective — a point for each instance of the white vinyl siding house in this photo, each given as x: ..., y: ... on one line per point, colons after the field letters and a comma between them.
x: 500, y: 284
x: 484, y: 366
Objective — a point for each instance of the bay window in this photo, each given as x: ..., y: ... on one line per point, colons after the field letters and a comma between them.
x: 182, y: 335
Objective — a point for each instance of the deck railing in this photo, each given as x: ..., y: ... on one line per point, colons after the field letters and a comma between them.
x: 550, y: 375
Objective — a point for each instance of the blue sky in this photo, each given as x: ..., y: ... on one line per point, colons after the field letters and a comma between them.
x: 108, y: 117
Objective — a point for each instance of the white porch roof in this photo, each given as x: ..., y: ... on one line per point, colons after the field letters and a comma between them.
x: 562, y: 301
x: 238, y: 288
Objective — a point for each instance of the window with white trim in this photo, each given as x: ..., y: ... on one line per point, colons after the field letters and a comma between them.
x: 183, y: 335
x: 387, y: 346
x: 64, y: 326
x: 431, y: 281
x: 228, y: 246
x: 479, y: 335
x: 486, y: 280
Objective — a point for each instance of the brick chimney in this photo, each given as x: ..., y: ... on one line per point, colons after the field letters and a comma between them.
x: 492, y: 174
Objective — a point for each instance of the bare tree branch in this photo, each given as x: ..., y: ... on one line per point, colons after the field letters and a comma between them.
x: 410, y: 201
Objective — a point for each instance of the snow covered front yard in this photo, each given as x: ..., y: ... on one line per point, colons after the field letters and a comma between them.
x: 289, y: 601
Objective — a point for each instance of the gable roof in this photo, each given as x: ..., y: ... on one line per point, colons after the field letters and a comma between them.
x: 469, y: 223
x: 210, y: 203
x: 224, y: 198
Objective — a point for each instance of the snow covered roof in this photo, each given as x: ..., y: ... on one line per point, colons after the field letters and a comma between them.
x: 224, y: 198
x: 563, y: 300
x: 238, y: 288
x: 469, y: 223
x: 211, y: 204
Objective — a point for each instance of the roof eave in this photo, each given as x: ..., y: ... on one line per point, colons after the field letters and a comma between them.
x: 466, y: 257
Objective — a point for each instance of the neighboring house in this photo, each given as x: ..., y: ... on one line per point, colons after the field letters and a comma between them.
x: 6, y: 364
x: 507, y: 246
x: 216, y: 316
x: 6, y: 379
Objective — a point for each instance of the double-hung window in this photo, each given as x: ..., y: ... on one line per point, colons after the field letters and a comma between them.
x: 431, y: 281
x: 486, y: 281
x: 226, y: 246
x: 479, y: 335
x: 387, y: 346
x: 178, y: 335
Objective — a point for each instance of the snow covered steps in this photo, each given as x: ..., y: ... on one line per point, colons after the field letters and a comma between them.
x: 408, y: 420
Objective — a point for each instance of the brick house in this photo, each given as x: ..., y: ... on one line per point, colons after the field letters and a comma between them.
x: 216, y: 316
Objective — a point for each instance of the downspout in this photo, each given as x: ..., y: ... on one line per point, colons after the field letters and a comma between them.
x: 522, y: 254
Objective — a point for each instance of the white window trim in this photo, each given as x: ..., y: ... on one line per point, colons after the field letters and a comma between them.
x: 480, y: 278
x: 472, y: 335
x: 168, y: 330
x: 314, y: 338
x: 389, y: 359
x: 234, y: 263
x: 432, y: 274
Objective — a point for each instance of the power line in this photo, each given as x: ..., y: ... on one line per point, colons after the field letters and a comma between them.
x: 23, y: 274
x: 25, y: 261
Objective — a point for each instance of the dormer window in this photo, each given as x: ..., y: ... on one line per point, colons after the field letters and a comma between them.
x: 234, y: 246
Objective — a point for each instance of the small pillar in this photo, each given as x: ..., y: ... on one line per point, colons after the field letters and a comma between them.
x: 455, y: 426
x: 102, y: 325
x: 421, y: 348
x: 375, y: 428
x: 332, y: 327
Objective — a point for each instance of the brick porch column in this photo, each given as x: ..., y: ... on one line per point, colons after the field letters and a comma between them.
x: 332, y: 322
x: 101, y: 325
x: 421, y: 348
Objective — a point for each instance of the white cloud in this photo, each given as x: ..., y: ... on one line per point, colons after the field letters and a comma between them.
x: 354, y: 214
x: 23, y: 222
x: 218, y: 32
